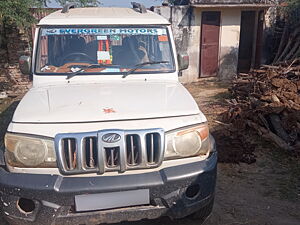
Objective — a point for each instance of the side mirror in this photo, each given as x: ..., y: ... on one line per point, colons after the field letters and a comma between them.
x: 183, y: 61
x: 25, y: 64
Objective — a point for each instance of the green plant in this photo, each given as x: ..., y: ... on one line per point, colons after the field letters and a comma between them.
x: 17, y: 11
x: 293, y: 11
x: 80, y: 2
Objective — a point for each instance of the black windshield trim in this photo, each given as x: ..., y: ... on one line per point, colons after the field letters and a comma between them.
x: 103, y: 26
x: 112, y: 73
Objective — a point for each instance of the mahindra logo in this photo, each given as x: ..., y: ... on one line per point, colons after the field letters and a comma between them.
x: 111, y: 138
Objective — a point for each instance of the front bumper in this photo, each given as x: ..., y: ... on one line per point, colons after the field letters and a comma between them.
x: 53, y: 196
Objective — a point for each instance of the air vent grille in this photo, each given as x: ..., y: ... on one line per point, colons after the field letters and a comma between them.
x: 109, y: 150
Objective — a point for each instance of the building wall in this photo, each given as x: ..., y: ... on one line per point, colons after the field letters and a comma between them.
x: 14, y: 42
x: 186, y: 23
x: 229, y: 42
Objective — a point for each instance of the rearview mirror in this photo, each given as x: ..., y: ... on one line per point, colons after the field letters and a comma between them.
x: 25, y: 64
x: 183, y: 61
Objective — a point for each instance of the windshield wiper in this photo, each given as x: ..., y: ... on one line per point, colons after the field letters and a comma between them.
x: 138, y: 66
x: 84, y: 68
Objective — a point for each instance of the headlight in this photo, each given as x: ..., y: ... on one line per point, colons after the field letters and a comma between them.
x: 29, y: 151
x: 188, y: 142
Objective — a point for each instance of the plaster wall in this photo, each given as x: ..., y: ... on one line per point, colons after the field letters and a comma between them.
x: 186, y: 24
x: 229, y: 43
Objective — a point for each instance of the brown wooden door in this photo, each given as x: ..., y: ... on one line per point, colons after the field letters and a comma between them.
x: 210, y: 31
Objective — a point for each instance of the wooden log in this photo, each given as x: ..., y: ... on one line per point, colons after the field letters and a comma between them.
x: 276, y: 124
x: 296, y: 54
x: 274, y: 98
x: 295, y: 47
x: 270, y: 66
x: 270, y: 136
x: 284, y: 37
x: 289, y: 44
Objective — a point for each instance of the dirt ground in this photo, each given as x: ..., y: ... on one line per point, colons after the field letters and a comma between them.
x: 266, y: 192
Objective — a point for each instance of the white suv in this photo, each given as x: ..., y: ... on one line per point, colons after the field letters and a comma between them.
x: 107, y: 133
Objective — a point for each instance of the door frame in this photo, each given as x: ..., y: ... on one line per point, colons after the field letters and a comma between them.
x: 257, y: 39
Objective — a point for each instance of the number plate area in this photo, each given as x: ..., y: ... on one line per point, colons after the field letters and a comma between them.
x: 93, y: 202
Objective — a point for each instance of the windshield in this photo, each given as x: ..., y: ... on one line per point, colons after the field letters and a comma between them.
x: 62, y: 51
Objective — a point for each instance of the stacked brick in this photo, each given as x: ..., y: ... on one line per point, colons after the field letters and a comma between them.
x: 17, y: 43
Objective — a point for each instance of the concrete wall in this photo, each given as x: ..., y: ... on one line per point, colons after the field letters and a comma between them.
x: 229, y: 42
x: 230, y: 1
x: 186, y: 23
x: 16, y: 42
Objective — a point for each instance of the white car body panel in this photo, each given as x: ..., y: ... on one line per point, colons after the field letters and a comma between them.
x: 109, y: 101
x: 141, y: 101
x: 103, y: 16
x: 50, y: 130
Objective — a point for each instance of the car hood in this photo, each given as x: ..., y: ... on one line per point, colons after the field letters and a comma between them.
x: 105, y: 102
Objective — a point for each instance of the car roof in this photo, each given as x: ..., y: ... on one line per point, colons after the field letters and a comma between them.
x: 103, y: 16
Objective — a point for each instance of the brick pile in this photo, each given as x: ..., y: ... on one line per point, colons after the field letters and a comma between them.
x: 18, y: 42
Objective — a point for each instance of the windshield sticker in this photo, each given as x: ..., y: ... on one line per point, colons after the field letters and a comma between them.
x: 43, y: 69
x: 104, y: 31
x: 75, y: 69
x: 101, y: 38
x: 115, y: 37
x: 103, y: 55
x: 163, y: 38
x: 111, y: 70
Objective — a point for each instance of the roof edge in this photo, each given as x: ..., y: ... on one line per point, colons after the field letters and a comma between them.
x: 233, y: 5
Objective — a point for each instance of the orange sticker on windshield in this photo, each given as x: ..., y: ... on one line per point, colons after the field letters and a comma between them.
x: 163, y: 38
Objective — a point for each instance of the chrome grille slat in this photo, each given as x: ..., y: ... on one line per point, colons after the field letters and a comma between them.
x: 113, y: 158
x: 132, y: 156
x: 130, y: 150
x: 79, y: 153
x: 91, y: 158
x: 151, y: 148
x: 101, y: 156
x: 123, y: 157
x: 70, y: 158
x: 144, y: 150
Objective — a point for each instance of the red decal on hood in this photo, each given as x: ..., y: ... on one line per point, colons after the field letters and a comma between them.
x: 109, y: 110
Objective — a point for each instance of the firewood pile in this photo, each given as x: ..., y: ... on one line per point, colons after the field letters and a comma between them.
x: 268, y: 101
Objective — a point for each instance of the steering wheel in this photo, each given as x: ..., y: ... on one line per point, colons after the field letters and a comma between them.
x: 80, y: 54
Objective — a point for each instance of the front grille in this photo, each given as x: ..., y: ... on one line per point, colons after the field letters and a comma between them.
x: 109, y: 150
